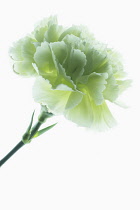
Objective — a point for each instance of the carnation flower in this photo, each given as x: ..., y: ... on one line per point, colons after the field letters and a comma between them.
x: 75, y: 74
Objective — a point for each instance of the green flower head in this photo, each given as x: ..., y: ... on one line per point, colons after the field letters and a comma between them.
x: 75, y: 74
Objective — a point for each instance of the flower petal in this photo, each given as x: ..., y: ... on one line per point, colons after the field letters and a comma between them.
x: 28, y: 49
x: 115, y: 60
x: 74, y: 99
x: 74, y: 42
x: 80, y: 31
x: 53, y: 33
x: 22, y: 53
x: 57, y: 100
x: 88, y: 114
x: 24, y: 68
x: 72, y: 30
x: 43, y: 26
x: 96, y: 62
x: 123, y: 85
x: 75, y: 63
x: 59, y: 54
x: 59, y: 50
x: 15, y: 51
x: 94, y: 84
x: 24, y: 48
x: 111, y: 91
x: 44, y: 62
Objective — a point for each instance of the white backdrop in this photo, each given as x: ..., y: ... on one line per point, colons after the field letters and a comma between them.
x: 70, y: 168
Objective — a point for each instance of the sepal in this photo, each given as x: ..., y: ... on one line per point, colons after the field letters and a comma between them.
x: 26, y: 135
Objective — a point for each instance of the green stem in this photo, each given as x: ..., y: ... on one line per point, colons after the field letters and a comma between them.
x: 28, y: 136
x: 13, y: 151
x: 20, y: 144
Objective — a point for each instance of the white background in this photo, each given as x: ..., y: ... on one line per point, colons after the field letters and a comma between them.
x: 70, y: 168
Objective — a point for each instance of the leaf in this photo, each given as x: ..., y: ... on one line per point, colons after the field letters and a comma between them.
x: 40, y: 132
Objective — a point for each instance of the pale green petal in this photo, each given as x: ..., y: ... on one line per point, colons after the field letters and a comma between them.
x: 96, y: 62
x: 53, y: 33
x: 28, y: 49
x: 85, y: 45
x: 74, y: 42
x: 24, y: 68
x: 62, y: 87
x: 94, y: 84
x: 80, y: 31
x: 74, y: 64
x: 88, y: 114
x: 121, y: 104
x: 15, y: 51
x: 57, y: 100
x: 96, y: 56
x: 120, y: 74
x: 74, y: 99
x: 86, y: 34
x: 22, y: 53
x: 123, y: 85
x: 43, y: 58
x: 82, y: 114
x: 62, y: 77
x: 43, y: 26
x: 44, y: 62
x: 24, y: 48
x: 59, y: 54
x: 72, y: 30
x: 112, y: 90
x: 115, y: 60
x: 60, y: 51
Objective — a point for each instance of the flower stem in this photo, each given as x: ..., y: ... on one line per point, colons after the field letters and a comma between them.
x: 20, y: 144
x: 29, y: 134
x: 13, y: 151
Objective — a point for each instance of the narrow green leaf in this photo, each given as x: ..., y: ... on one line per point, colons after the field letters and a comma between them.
x: 40, y: 132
